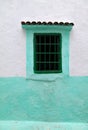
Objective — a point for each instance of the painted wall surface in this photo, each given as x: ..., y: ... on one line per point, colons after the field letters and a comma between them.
x: 64, y: 99
x: 12, y: 36
x: 61, y: 100
x: 22, y: 125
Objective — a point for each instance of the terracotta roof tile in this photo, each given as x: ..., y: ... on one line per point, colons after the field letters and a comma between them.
x: 46, y: 23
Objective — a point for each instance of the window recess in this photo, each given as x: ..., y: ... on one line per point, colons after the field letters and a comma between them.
x: 47, y: 49
x: 47, y: 53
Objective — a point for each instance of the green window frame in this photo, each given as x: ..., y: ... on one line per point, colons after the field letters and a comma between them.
x: 47, y: 53
x: 31, y: 31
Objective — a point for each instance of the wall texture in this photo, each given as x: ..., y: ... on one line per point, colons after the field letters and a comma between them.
x: 61, y: 100
x: 12, y: 36
x: 64, y: 99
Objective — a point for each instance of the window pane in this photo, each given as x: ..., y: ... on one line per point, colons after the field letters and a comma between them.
x: 47, y: 39
x: 42, y: 48
x: 37, y: 39
x: 52, y: 66
x: 47, y: 52
x: 42, y: 57
x: 42, y: 39
x: 47, y: 48
x: 47, y: 66
x: 52, y: 39
x: 52, y: 57
x: 47, y: 57
x: 37, y: 48
x: 42, y: 66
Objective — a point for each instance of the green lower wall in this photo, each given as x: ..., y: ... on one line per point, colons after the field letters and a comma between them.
x: 62, y: 100
x: 28, y: 125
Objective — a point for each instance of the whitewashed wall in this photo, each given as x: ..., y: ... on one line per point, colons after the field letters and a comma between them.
x: 12, y: 36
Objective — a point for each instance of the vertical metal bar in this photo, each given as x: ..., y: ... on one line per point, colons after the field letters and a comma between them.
x: 58, y: 50
x: 55, y: 52
x: 39, y: 51
x: 35, y: 48
x: 60, y: 60
x: 36, y: 55
x: 45, y: 52
x: 35, y: 52
x: 49, y: 51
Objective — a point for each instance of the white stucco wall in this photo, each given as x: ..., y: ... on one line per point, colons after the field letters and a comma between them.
x: 13, y: 39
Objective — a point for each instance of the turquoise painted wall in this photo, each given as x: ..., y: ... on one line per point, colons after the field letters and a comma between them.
x: 49, y: 98
x: 61, y: 100
x: 30, y: 125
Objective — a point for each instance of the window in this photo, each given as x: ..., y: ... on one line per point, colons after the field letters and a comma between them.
x: 47, y: 53
x: 47, y: 49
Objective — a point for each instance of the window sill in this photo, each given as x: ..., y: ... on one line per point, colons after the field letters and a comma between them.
x: 45, y: 77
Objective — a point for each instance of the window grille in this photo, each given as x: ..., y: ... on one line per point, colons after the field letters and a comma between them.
x: 47, y: 53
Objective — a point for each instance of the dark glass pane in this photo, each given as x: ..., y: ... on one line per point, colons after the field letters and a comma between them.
x: 58, y: 40
x: 57, y: 57
x: 42, y: 66
x: 52, y: 48
x: 47, y: 66
x: 52, y: 57
x: 56, y: 66
x: 42, y: 48
x: 37, y: 48
x: 37, y: 39
x: 37, y: 66
x: 47, y: 39
x: 47, y: 48
x: 52, y: 39
x: 42, y: 39
x: 37, y: 57
x: 42, y: 57
x: 52, y: 66
x: 47, y: 57
x: 57, y: 48
x: 47, y: 52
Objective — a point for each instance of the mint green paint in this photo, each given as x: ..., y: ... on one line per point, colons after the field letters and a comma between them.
x: 61, y: 100
x: 27, y: 125
x: 47, y: 98
x: 65, y: 33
